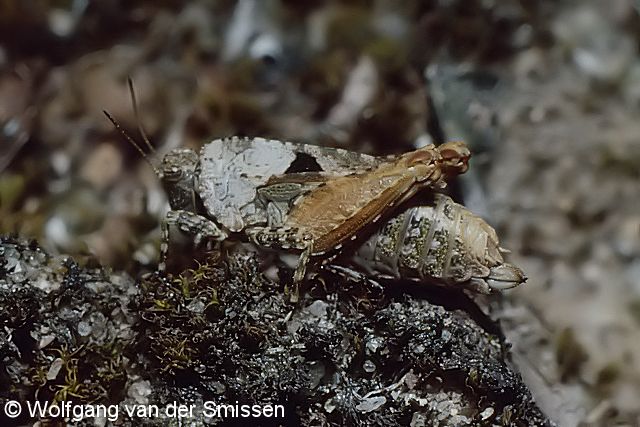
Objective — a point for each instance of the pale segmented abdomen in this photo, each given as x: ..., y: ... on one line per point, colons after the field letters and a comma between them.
x: 441, y: 242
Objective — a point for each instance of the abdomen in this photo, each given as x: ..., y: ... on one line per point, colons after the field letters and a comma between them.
x: 441, y: 242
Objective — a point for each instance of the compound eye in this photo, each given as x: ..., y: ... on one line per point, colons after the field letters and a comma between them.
x: 172, y: 172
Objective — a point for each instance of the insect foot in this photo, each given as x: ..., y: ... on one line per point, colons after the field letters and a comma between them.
x: 440, y: 243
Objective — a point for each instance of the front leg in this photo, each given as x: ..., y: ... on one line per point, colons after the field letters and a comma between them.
x: 188, y: 222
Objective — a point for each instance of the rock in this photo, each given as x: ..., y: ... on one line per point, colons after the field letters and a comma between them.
x: 422, y: 364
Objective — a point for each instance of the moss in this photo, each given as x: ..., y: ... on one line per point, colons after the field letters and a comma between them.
x: 87, y: 374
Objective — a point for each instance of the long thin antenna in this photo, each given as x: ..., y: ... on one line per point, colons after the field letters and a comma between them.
x: 137, y: 116
x: 131, y: 141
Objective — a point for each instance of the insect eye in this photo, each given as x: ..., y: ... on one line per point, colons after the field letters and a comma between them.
x: 172, y: 173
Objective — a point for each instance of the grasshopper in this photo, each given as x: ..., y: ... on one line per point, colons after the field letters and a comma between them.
x: 282, y: 195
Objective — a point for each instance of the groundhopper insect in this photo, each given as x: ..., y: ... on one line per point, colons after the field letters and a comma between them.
x: 293, y: 197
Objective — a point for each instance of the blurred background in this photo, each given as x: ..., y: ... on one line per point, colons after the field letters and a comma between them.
x: 547, y: 94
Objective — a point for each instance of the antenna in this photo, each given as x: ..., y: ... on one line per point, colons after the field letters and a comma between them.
x: 131, y: 141
x: 137, y: 116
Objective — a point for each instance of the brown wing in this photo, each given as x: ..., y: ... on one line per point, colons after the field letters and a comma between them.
x: 335, y: 211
